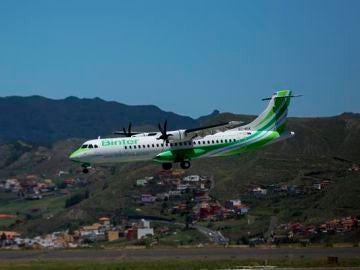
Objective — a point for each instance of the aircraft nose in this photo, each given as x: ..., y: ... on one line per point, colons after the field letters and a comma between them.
x: 75, y: 156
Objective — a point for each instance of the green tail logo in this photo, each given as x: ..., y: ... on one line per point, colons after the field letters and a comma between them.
x: 275, y: 115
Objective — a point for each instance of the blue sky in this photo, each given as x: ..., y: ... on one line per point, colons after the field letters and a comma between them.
x: 189, y: 57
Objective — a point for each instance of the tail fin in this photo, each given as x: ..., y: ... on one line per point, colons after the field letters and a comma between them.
x: 275, y: 115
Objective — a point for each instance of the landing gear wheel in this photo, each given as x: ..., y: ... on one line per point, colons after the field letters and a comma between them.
x: 85, y: 167
x: 167, y: 166
x: 185, y: 164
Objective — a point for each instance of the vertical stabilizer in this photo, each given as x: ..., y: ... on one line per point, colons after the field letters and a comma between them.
x: 275, y: 115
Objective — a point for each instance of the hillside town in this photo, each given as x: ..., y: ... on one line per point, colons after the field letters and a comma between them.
x: 180, y: 199
x: 101, y: 231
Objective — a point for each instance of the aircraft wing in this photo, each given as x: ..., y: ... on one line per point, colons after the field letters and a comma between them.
x: 211, y: 128
x: 125, y: 134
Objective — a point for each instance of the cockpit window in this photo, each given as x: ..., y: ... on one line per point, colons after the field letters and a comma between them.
x: 84, y: 146
x: 90, y: 146
x: 95, y: 146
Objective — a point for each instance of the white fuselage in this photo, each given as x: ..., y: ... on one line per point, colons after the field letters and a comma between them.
x: 141, y: 148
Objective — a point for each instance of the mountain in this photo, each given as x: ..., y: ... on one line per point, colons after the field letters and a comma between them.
x: 41, y: 120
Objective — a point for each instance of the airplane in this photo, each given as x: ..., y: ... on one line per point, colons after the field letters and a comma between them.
x: 184, y: 145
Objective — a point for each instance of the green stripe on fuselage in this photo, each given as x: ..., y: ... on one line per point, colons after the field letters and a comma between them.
x: 255, y: 145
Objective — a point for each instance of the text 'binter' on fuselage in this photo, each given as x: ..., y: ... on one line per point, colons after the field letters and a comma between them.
x: 184, y: 145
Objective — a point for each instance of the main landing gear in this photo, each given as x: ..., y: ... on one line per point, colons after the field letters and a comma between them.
x: 184, y: 164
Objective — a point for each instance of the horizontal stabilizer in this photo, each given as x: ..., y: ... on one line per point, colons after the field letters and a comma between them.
x: 290, y: 96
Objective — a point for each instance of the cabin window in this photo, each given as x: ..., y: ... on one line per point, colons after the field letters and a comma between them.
x: 162, y: 145
x: 208, y: 142
x: 129, y: 146
x: 194, y: 142
x: 153, y: 145
x: 217, y: 141
x: 157, y: 145
x: 148, y: 145
x: 212, y: 141
x: 176, y: 144
x: 181, y: 143
x: 221, y: 141
x: 225, y: 140
x: 125, y: 147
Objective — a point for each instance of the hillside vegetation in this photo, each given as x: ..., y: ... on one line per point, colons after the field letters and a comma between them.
x: 310, y: 155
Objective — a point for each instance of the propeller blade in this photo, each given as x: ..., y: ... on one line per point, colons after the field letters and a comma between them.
x: 165, y: 124
x: 129, y: 130
x: 160, y: 128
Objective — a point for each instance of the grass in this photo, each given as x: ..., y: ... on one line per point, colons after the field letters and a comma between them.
x: 38, y: 209
x: 189, y: 237
x: 49, y: 204
x: 176, y: 264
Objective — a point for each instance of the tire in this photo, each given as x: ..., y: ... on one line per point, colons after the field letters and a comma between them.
x: 167, y: 166
x: 185, y: 164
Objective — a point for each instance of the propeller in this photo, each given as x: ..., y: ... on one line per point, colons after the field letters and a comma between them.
x: 126, y: 133
x: 164, y: 136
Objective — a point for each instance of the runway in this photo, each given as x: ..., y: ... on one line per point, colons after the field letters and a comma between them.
x: 177, y: 253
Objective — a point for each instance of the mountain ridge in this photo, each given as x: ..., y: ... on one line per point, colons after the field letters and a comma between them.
x: 38, y: 119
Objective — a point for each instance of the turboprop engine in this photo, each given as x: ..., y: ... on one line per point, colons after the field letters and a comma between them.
x: 177, y: 135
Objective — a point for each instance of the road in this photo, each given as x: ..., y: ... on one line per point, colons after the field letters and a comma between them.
x: 213, y: 236
x: 180, y: 253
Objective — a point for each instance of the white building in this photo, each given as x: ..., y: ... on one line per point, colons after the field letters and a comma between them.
x: 144, y: 232
x: 182, y: 186
x: 144, y: 223
x: 191, y: 178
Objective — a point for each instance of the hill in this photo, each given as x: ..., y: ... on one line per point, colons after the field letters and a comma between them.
x: 41, y: 120
x: 323, y: 148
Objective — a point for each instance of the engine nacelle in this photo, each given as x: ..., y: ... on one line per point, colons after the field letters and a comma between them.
x: 178, y: 135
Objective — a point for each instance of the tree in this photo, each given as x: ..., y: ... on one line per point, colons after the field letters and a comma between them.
x: 3, y: 239
x: 164, y: 206
x: 188, y: 221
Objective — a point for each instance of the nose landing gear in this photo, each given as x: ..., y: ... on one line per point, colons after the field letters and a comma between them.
x: 85, y: 167
x: 167, y: 166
